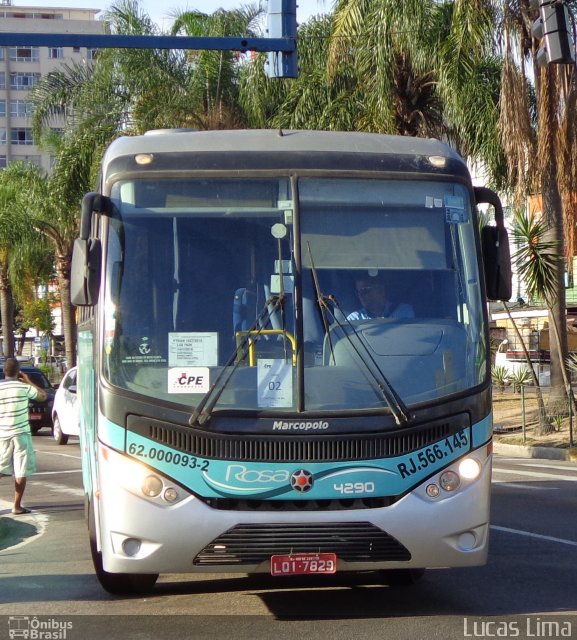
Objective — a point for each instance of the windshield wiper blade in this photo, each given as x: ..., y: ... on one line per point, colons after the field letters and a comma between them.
x: 203, y: 411
x: 398, y: 408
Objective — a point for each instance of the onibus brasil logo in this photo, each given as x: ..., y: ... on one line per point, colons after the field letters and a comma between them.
x: 34, y: 628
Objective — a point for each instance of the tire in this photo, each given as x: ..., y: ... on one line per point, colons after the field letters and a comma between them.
x: 117, y: 583
x: 59, y: 437
x: 35, y: 429
x: 402, y: 577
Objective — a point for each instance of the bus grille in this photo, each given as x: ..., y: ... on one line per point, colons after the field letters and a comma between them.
x: 337, y: 504
x: 252, y: 544
x: 296, y: 448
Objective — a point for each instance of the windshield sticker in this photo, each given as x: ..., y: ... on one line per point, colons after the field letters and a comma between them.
x: 189, y: 380
x: 455, y: 209
x: 275, y: 383
x: 193, y: 349
x: 146, y: 353
x: 433, y: 203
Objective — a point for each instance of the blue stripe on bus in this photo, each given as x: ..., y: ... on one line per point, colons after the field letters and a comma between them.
x: 295, y: 480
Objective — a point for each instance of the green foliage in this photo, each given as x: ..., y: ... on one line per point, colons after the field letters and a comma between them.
x: 499, y: 376
x: 537, y: 257
x: 557, y: 422
x: 520, y: 378
x: 572, y: 363
x: 37, y: 314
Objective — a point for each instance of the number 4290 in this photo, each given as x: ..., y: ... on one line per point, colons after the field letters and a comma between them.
x: 351, y: 488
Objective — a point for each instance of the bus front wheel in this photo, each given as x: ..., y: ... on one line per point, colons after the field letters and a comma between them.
x: 117, y: 583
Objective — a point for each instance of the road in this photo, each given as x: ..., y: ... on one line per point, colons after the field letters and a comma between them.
x: 526, y: 590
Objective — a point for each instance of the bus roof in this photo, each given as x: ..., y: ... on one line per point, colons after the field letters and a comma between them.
x: 305, y: 148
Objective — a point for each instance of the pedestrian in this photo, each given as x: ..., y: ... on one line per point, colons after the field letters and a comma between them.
x: 17, y: 457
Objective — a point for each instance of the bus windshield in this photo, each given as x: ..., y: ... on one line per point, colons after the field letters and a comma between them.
x: 281, y: 295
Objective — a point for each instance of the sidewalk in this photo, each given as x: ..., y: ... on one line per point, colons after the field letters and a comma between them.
x: 526, y: 451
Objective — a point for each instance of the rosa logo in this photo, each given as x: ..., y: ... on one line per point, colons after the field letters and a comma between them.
x: 302, y: 480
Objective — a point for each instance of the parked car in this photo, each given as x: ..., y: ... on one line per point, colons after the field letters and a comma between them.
x: 39, y: 413
x: 56, y: 363
x: 65, y: 412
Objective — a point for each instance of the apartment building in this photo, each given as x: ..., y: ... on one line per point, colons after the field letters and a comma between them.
x: 22, y: 67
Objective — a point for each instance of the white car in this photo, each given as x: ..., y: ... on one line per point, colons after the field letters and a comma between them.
x: 65, y: 412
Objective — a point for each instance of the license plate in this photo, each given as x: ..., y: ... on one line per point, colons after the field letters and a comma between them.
x: 303, y: 563
x: 35, y: 416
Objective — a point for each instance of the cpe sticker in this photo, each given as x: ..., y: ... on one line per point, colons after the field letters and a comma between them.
x: 189, y: 380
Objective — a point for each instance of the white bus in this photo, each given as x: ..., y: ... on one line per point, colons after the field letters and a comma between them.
x: 244, y: 408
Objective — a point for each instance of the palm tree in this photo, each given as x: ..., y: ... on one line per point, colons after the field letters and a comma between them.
x: 213, y: 85
x: 536, y: 259
x: 306, y: 102
x: 498, y: 106
x: 427, y: 69
x: 538, y: 133
x: 19, y: 186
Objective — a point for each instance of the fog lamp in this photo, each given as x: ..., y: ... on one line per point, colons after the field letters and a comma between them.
x: 151, y: 486
x: 449, y: 481
x: 131, y: 546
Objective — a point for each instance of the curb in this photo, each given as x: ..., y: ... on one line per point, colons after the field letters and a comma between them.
x: 524, y: 451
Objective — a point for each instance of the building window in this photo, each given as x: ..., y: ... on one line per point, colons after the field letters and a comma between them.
x: 2, y: 108
x: 2, y: 80
x: 56, y: 52
x: 2, y: 135
x: 37, y: 160
x: 21, y: 135
x: 3, y: 162
x: 25, y: 54
x: 21, y: 108
x: 2, y: 53
x: 91, y: 53
x: 76, y: 49
x: 22, y: 80
x: 31, y: 16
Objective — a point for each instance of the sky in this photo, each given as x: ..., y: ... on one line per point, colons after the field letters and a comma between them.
x: 160, y: 10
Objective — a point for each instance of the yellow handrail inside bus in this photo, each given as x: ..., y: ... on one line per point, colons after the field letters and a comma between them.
x: 240, y: 335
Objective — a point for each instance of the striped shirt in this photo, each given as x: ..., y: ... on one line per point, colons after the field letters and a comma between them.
x: 400, y: 311
x: 14, y: 397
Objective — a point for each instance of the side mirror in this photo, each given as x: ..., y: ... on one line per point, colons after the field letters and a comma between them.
x: 85, y: 272
x: 87, y: 254
x: 495, y: 249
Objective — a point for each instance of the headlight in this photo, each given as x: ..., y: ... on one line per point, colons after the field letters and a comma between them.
x: 140, y: 480
x: 469, y: 468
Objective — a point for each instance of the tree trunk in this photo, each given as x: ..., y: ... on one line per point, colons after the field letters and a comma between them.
x: 559, y: 350
x: 548, y: 104
x: 7, y: 312
x: 68, y: 310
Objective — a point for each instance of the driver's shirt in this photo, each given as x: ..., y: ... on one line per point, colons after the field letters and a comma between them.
x: 401, y: 310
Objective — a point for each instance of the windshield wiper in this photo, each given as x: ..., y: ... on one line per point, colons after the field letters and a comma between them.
x: 203, y: 410
x: 398, y: 408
